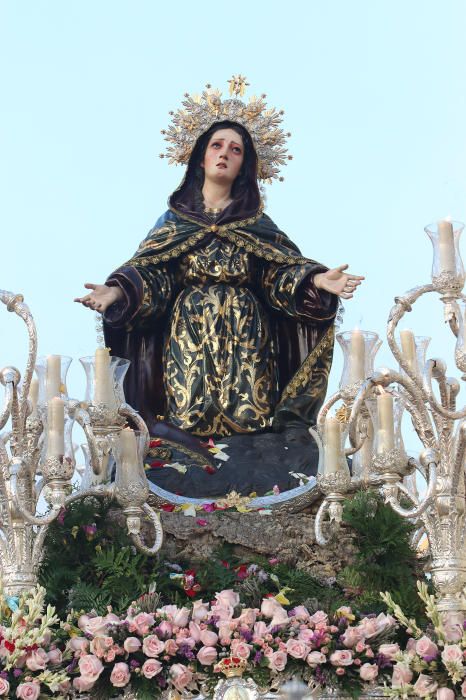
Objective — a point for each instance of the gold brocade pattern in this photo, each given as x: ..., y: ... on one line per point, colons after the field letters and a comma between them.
x: 220, y: 372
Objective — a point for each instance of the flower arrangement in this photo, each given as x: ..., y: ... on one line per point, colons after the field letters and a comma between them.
x: 184, y: 648
x: 31, y: 662
x: 432, y: 664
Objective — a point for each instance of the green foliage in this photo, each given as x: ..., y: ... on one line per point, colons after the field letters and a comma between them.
x: 385, y: 559
x: 90, y: 564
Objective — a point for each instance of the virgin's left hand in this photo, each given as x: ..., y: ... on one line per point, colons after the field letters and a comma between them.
x: 337, y: 281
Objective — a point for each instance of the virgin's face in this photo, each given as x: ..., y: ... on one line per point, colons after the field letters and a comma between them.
x: 224, y: 156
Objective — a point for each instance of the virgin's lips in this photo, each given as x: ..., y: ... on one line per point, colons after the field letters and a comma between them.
x: 221, y: 165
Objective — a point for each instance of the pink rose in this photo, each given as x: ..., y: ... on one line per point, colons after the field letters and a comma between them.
x: 207, y: 656
x: 152, y: 646
x: 452, y: 627
x: 165, y: 629
x: 248, y: 616
x: 224, y: 633
x: 36, y: 660
x: 28, y: 691
x: 389, y: 650
x: 112, y: 619
x: 260, y: 629
x: 4, y: 686
x: 208, y: 638
x: 90, y: 667
x: 445, y: 694
x: 131, y: 644
x: 297, y: 648
x: 351, y: 636
x: 241, y: 649
x: 171, y: 647
x: 227, y: 598
x: 181, y: 617
x: 425, y: 685
x: 55, y: 657
x: 319, y: 618
x: 315, y: 658
x: 195, y: 631
x: 369, y: 672
x: 151, y: 667
x: 306, y: 635
x: 280, y: 617
x: 277, y: 660
x: 101, y: 645
x: 452, y: 654
x: 181, y: 676
x: 78, y: 645
x: 141, y: 623
x: 200, y: 611
x: 81, y: 684
x: 95, y: 626
x: 268, y: 607
x: 373, y: 626
x: 223, y: 612
x: 120, y: 675
x: 426, y: 647
x: 341, y: 657
x: 301, y: 613
x: 402, y: 675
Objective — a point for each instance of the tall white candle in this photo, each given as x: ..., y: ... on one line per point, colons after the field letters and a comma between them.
x: 446, y: 247
x: 128, y: 444
x: 53, y: 376
x: 357, y: 356
x: 33, y: 394
x: 103, y: 392
x: 408, y: 348
x: 332, y: 446
x: 55, y: 427
x: 386, y: 425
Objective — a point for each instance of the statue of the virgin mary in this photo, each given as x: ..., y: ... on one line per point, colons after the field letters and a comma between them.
x: 229, y: 328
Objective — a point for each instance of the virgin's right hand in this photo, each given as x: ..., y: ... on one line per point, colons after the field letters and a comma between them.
x: 101, y: 297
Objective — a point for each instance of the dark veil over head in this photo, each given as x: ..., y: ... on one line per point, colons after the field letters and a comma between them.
x: 187, y: 199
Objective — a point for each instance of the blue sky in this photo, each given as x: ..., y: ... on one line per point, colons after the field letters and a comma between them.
x: 374, y: 94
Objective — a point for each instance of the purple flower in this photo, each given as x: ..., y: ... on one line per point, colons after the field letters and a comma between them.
x: 275, y: 629
x: 4, y: 674
x: 246, y: 635
x: 17, y: 672
x: 291, y: 612
x: 72, y: 665
x: 258, y: 657
x: 161, y: 681
x: 185, y: 651
x: 134, y: 664
x: 383, y: 661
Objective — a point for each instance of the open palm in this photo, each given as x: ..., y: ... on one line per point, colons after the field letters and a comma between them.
x: 337, y: 281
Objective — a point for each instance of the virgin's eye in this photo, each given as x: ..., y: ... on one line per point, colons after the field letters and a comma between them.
x: 236, y: 149
x: 215, y: 144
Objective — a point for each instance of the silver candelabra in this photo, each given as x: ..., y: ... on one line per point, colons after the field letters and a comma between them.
x: 37, y: 462
x: 368, y: 426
